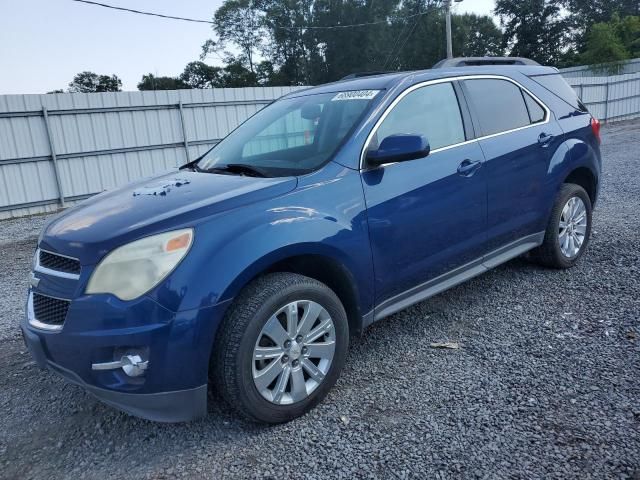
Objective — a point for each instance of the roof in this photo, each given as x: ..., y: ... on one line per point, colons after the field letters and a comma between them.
x: 483, y: 61
x: 389, y: 80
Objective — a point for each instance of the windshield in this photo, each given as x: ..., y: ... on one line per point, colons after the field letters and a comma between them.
x: 291, y: 136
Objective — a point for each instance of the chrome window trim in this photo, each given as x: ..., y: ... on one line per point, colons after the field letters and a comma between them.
x: 54, y: 273
x: 450, y: 80
x: 34, y: 322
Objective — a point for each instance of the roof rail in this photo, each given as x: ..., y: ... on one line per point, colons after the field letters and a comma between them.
x: 482, y: 61
x: 364, y: 74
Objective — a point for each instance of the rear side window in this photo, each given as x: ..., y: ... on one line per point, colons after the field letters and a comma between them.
x: 432, y: 111
x: 557, y: 85
x: 536, y: 112
x: 499, y: 105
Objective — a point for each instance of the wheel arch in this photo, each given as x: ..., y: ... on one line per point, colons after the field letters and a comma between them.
x: 319, y: 265
x: 584, y: 177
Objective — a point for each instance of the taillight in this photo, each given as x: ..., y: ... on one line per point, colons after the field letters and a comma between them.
x: 595, y: 126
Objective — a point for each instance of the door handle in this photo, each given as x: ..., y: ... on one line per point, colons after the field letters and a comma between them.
x: 544, y: 139
x: 467, y: 168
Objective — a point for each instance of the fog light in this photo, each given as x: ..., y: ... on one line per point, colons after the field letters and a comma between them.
x: 132, y: 365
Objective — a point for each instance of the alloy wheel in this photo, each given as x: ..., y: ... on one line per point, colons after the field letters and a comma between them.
x: 293, y: 352
x: 573, y: 227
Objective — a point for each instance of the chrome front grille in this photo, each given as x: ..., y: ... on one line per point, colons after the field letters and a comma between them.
x: 49, y: 310
x: 58, y: 263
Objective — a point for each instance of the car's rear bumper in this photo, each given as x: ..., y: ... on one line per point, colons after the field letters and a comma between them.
x: 171, y: 406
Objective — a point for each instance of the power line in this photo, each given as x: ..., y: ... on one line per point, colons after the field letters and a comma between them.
x: 281, y: 27
x: 405, y: 41
x: 140, y: 12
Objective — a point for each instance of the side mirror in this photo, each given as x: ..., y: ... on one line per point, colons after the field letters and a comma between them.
x: 399, y: 148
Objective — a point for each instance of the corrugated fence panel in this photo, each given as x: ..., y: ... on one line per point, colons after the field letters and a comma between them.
x: 104, y: 140
x: 628, y: 66
x: 610, y: 98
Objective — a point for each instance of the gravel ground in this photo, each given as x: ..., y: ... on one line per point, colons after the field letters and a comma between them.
x: 546, y: 383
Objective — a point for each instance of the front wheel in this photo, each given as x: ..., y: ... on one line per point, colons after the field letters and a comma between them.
x: 568, y: 231
x: 281, y: 347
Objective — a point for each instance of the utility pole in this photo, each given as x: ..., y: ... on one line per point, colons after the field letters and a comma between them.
x: 447, y: 6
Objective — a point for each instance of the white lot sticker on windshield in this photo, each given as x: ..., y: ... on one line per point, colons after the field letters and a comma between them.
x: 355, y: 95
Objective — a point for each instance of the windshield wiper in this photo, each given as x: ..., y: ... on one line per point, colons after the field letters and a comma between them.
x: 239, y: 168
x: 193, y: 165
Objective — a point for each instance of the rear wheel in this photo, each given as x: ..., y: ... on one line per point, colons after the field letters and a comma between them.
x: 280, y: 348
x: 568, y: 231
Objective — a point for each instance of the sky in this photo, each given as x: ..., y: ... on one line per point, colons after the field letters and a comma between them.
x: 44, y: 43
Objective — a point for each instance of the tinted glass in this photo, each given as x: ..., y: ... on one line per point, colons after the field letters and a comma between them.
x: 432, y: 111
x: 557, y: 85
x: 292, y: 136
x: 499, y: 105
x: 536, y: 112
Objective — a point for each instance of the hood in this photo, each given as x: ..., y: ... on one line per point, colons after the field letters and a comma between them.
x: 170, y: 201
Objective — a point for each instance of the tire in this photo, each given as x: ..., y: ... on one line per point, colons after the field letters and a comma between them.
x: 242, y: 335
x: 551, y: 253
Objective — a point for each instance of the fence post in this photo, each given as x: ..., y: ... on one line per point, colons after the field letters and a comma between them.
x: 54, y: 158
x: 606, y: 102
x: 184, y: 131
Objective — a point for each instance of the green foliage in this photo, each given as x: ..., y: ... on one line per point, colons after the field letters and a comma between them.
x: 476, y: 36
x: 584, y: 13
x: 603, y: 46
x: 609, y: 43
x: 240, y: 23
x: 534, y: 29
x: 151, y: 82
x: 237, y: 75
x: 200, y: 75
x: 89, y: 82
x: 296, y: 50
x: 628, y: 30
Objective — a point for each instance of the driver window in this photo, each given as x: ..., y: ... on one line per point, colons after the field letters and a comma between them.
x: 432, y: 111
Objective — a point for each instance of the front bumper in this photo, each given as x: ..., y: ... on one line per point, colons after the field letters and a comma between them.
x: 98, y: 328
x: 174, y: 406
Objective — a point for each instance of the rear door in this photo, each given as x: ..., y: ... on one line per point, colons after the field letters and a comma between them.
x: 518, y: 137
x: 426, y: 216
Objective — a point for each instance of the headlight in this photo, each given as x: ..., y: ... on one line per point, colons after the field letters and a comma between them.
x: 135, y: 268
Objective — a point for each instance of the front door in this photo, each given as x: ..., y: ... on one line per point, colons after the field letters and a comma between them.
x: 426, y: 216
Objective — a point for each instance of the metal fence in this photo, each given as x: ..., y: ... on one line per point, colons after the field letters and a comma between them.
x: 60, y: 148
x: 617, y: 68
x: 611, y: 98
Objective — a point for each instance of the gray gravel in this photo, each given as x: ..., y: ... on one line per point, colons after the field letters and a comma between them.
x: 546, y: 383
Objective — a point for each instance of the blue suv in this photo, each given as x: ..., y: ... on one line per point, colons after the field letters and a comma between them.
x: 248, y: 269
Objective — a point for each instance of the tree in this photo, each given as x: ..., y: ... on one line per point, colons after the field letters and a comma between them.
x: 585, y: 13
x: 238, y: 22
x: 59, y: 90
x: 201, y: 75
x: 476, y: 36
x: 603, y: 45
x: 302, y: 42
x: 628, y: 30
x: 534, y: 29
x: 611, y: 42
x: 89, y: 82
x: 235, y: 74
x: 151, y: 82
